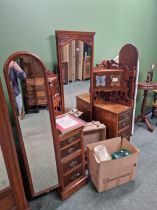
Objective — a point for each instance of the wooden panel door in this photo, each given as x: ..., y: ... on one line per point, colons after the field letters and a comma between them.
x: 79, y: 59
x: 12, y: 195
x: 72, y: 67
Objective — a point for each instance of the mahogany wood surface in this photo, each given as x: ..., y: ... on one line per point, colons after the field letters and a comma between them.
x: 116, y: 117
x: 12, y: 197
x: 128, y: 55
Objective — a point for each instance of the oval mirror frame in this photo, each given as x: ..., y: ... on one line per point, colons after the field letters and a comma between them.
x: 14, y: 57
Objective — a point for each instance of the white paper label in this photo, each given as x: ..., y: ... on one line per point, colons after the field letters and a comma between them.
x: 66, y: 122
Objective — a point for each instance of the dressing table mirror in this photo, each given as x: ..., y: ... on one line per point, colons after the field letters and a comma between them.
x: 75, y: 51
x: 27, y: 85
x: 75, y: 61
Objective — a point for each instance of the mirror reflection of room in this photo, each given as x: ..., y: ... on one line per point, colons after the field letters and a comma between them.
x: 35, y: 98
x: 28, y: 87
x: 76, y: 64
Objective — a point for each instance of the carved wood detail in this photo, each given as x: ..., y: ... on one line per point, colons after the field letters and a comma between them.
x: 65, y: 37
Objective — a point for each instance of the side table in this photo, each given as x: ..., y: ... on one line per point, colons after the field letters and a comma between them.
x: 146, y: 86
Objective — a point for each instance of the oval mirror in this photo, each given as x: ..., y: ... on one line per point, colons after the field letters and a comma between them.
x: 26, y: 80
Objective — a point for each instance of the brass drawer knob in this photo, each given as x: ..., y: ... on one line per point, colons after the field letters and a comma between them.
x: 73, y: 163
x: 70, y: 150
x: 75, y: 176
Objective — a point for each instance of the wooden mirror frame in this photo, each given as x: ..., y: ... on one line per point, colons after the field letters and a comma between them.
x: 63, y: 38
x: 12, y: 196
x: 128, y: 65
x: 15, y: 56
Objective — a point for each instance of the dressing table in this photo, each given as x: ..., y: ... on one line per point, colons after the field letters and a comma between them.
x: 112, y: 93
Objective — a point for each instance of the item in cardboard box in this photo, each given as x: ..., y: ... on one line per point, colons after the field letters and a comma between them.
x: 101, y: 153
x: 121, y: 153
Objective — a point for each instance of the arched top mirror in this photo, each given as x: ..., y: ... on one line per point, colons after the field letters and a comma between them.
x: 75, y: 51
x: 27, y: 85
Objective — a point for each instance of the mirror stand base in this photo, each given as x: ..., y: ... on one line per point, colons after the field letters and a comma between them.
x: 68, y: 191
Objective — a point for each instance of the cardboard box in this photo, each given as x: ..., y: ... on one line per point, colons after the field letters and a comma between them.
x: 92, y: 132
x: 111, y: 173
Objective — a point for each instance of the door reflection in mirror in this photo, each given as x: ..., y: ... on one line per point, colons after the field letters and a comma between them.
x: 76, y: 65
x: 76, y: 62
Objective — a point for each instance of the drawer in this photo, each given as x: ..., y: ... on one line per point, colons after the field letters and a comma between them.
x: 39, y: 81
x: 40, y: 93
x: 70, y: 149
x: 42, y: 101
x: 73, y: 176
x: 72, y: 164
x: 124, y: 123
x: 31, y: 94
x: 30, y: 88
x: 36, y: 93
x: 70, y: 140
x: 36, y: 88
x: 83, y: 106
x: 126, y: 133
x: 40, y: 88
x: 124, y: 115
x: 34, y: 102
x: 30, y: 82
x: 35, y: 81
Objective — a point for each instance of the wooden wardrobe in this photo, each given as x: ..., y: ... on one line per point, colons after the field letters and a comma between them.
x: 12, y: 195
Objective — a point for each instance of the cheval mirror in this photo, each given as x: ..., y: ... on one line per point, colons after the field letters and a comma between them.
x: 27, y: 85
x: 75, y: 51
x: 11, y: 190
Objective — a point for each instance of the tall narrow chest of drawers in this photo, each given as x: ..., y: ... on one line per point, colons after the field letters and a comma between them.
x: 72, y: 163
x: 35, y: 93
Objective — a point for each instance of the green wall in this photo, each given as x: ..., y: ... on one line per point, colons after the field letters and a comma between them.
x: 30, y: 25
